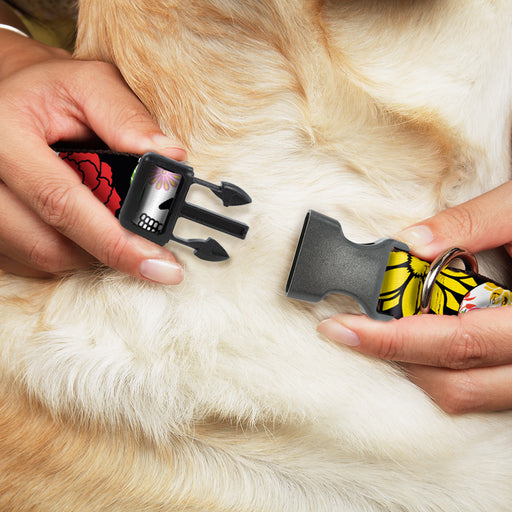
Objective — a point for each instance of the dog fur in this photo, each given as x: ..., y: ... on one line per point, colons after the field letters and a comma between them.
x: 217, y: 394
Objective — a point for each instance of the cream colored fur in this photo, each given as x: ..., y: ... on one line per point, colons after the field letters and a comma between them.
x: 217, y: 394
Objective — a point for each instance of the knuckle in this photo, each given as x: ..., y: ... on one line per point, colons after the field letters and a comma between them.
x: 98, y: 68
x: 53, y: 203
x: 115, y: 250
x: 80, y: 85
x: 130, y: 119
x: 60, y: 53
x: 465, y: 348
x: 460, y: 394
x: 44, y: 258
x: 461, y: 220
x: 388, y: 346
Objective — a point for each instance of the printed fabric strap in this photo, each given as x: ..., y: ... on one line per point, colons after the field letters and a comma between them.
x: 108, y: 175
x: 454, y: 291
x: 105, y: 172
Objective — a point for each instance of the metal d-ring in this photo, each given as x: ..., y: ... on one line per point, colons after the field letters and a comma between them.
x: 437, y: 266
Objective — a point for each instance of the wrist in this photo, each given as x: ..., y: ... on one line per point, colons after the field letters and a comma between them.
x: 11, y: 28
x: 9, y: 18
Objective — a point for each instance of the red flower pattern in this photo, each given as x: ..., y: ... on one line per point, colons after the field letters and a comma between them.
x: 97, y: 175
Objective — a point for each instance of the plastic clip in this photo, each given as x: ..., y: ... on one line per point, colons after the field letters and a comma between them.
x: 326, y: 262
x: 156, y: 199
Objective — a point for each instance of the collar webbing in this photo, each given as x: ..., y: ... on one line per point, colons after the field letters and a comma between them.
x: 385, y: 279
x: 108, y: 175
x: 454, y: 291
x: 105, y: 172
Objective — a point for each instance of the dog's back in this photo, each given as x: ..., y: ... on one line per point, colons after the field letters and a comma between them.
x: 217, y: 394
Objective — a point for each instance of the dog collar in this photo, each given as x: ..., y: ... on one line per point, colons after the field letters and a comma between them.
x: 385, y: 279
x: 148, y: 195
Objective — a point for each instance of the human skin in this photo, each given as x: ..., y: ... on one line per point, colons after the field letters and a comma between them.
x: 51, y: 222
x: 463, y: 362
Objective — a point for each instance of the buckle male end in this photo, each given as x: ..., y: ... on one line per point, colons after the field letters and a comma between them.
x: 157, y: 199
x: 326, y: 262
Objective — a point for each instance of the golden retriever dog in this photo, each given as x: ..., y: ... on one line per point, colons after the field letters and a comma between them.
x: 218, y: 394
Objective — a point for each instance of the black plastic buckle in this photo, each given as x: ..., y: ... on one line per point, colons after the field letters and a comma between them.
x: 156, y: 199
x: 326, y: 262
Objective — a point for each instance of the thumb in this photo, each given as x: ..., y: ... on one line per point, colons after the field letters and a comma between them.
x: 119, y: 118
x: 476, y: 225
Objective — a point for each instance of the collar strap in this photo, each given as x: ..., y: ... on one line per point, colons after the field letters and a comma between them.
x: 148, y: 195
x: 386, y: 280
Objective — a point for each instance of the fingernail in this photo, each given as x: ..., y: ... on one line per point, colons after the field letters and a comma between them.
x: 161, y: 271
x: 338, y: 333
x: 416, y: 237
x: 170, y: 147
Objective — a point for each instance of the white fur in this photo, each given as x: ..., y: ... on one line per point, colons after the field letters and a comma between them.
x: 321, y: 427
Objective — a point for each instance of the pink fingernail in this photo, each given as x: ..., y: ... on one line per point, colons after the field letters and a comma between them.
x: 416, y: 237
x: 161, y: 271
x: 338, y: 333
x: 170, y: 147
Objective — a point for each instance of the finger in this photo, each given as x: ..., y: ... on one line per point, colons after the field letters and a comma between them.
x: 59, y: 198
x: 476, y: 225
x: 463, y: 391
x: 475, y: 339
x: 70, y: 100
x: 17, y: 268
x: 28, y: 241
x: 116, y: 115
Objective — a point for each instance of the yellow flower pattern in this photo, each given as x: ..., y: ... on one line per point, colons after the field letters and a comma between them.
x: 403, y: 283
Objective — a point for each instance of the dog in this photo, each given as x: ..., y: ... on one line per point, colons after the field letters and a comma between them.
x: 218, y: 394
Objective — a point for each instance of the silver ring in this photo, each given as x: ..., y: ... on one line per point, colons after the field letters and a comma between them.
x: 437, y: 266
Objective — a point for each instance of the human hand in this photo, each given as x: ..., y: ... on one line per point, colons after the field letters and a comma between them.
x: 463, y: 362
x: 51, y: 222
